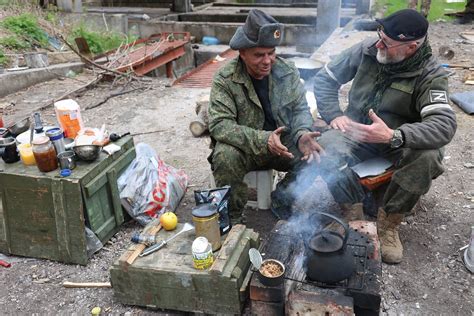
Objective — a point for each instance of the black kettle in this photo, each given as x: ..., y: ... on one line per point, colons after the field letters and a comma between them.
x: 327, y: 258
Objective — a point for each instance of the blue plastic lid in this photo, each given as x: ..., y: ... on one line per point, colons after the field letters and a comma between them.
x: 65, y: 172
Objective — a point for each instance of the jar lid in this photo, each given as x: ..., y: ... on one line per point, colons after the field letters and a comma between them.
x: 204, y: 210
x: 65, y: 172
x: 200, y: 244
x: 54, y: 132
x: 41, y: 140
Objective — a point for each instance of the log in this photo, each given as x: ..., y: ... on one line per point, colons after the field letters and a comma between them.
x: 200, y: 124
x: 86, y: 284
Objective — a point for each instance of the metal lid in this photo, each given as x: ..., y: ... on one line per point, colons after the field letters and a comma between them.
x: 41, y: 140
x: 204, y: 210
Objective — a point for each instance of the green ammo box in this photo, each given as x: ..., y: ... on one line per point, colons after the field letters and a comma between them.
x: 43, y: 215
x: 166, y: 279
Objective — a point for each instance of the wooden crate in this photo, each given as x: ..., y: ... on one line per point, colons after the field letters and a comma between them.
x: 166, y: 279
x: 43, y: 215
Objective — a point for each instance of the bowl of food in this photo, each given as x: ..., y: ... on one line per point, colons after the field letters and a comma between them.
x: 271, y: 272
x: 19, y: 127
x: 87, y: 152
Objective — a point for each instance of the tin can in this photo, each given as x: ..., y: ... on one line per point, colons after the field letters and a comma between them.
x: 202, y: 253
x: 206, y: 223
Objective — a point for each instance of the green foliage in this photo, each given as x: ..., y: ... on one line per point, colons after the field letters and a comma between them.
x: 437, y: 10
x: 3, y: 58
x: 13, y: 42
x: 99, y: 42
x: 26, y: 26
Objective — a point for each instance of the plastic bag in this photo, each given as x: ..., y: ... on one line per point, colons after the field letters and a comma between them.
x: 220, y: 198
x: 150, y: 187
x: 93, y: 243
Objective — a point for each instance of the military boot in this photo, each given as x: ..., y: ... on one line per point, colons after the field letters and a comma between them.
x: 387, y: 230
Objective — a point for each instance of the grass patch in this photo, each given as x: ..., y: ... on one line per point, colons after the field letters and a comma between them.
x: 26, y: 27
x: 437, y: 10
x: 3, y: 58
x: 13, y: 42
x: 99, y: 42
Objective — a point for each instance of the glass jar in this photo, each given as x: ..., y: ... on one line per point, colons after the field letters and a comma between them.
x: 45, y: 154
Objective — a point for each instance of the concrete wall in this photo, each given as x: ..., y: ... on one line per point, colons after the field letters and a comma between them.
x: 294, y: 34
x: 11, y: 82
x: 99, y: 22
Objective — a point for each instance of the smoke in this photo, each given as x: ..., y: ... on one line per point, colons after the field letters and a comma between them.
x: 310, y: 188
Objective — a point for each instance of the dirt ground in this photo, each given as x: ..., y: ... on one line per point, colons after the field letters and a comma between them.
x: 431, y: 280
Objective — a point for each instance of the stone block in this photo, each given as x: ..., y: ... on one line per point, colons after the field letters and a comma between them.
x: 310, y: 300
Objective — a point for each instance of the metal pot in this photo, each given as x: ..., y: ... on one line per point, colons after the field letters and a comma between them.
x: 328, y: 260
x: 19, y: 127
x: 306, y: 66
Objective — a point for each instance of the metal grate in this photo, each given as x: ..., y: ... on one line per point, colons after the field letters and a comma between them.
x: 201, y: 76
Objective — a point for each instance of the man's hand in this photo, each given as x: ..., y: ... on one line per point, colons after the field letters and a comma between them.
x: 377, y: 132
x: 341, y: 123
x: 310, y: 149
x: 275, y: 146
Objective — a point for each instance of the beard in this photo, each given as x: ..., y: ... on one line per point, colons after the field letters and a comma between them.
x: 383, y: 58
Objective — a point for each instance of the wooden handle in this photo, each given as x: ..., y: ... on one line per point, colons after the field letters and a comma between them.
x: 86, y: 284
x: 140, y: 247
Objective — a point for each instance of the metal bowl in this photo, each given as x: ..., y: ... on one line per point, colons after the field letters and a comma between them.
x: 273, y: 280
x: 87, y: 152
x: 19, y: 127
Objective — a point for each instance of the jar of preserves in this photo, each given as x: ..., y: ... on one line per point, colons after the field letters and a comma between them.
x: 45, y: 154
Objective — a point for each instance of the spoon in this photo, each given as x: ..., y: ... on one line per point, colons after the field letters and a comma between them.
x: 255, y: 258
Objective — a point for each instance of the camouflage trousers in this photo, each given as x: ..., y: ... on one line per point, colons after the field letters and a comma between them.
x: 414, y: 171
x: 230, y: 164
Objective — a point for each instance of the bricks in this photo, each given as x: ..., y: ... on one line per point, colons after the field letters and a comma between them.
x: 260, y: 292
x: 267, y: 308
x: 311, y: 300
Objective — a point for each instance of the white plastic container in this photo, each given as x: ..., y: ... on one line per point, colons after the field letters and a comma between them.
x: 202, y: 253
x: 68, y: 114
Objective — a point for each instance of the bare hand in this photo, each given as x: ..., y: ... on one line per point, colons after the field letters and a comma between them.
x: 310, y: 149
x: 275, y: 146
x: 341, y: 123
x: 378, y: 132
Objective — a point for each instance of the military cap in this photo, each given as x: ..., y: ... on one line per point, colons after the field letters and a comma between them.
x: 404, y: 25
x: 259, y: 30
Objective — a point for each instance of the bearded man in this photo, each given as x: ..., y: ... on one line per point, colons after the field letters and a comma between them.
x: 398, y: 109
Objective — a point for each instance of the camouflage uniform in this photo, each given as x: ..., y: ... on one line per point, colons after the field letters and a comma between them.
x: 416, y: 103
x: 236, y: 119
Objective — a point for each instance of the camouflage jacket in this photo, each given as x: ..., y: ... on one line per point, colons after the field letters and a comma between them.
x: 416, y: 102
x: 236, y: 116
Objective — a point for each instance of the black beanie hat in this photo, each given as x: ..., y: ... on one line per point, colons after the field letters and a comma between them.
x: 404, y: 25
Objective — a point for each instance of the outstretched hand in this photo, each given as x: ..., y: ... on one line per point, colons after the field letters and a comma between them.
x: 341, y: 123
x: 310, y: 149
x: 377, y: 132
x: 275, y: 146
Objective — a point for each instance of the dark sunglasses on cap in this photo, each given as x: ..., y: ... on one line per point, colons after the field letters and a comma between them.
x: 387, y: 46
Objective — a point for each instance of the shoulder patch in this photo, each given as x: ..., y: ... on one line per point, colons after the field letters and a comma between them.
x: 438, y: 96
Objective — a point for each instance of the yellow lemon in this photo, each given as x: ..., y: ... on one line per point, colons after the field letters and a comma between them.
x: 169, y: 220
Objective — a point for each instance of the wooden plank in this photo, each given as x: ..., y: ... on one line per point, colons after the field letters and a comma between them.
x: 227, y: 249
x: 62, y: 234
x: 137, y: 249
x: 117, y: 207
